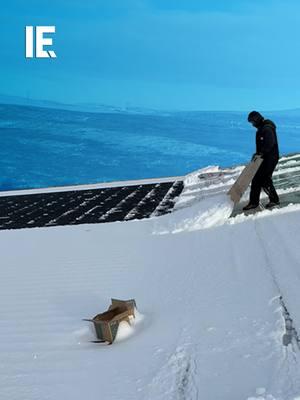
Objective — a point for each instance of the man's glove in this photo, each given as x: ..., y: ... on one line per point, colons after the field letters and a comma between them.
x: 255, y: 155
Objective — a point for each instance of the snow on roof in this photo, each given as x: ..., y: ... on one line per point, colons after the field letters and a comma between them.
x: 123, y: 201
x: 213, y: 304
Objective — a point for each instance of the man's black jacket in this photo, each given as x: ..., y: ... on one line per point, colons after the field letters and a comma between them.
x: 266, y: 141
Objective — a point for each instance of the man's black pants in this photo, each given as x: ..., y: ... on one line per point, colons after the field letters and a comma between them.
x: 263, y: 180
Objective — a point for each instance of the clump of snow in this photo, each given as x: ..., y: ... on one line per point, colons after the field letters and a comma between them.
x: 126, y: 329
x: 193, y: 178
x: 84, y: 334
x: 261, y: 394
x: 284, y: 158
x: 202, y: 214
x: 290, y: 208
x: 203, y: 203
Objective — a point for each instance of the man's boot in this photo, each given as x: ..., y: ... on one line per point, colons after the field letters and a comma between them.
x: 250, y: 206
x: 273, y: 196
x: 272, y: 204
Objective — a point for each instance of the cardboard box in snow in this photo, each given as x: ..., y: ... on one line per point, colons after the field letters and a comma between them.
x: 107, y: 324
x: 244, y: 180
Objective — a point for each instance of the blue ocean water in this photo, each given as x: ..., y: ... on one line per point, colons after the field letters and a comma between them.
x: 43, y: 147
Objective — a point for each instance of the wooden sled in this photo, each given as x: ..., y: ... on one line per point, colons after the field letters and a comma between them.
x: 244, y: 180
x: 107, y: 324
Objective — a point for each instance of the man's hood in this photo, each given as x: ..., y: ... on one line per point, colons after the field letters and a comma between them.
x: 268, y: 122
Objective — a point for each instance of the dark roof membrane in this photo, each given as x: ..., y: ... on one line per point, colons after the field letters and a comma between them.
x: 75, y: 207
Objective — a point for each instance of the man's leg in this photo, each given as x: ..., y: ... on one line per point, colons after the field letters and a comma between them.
x: 256, y: 187
x: 270, y: 190
x: 267, y: 183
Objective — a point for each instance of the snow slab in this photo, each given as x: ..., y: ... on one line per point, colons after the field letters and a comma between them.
x: 203, y: 203
x: 209, y: 323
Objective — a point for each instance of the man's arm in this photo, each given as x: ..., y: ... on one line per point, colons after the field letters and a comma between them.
x: 267, y: 140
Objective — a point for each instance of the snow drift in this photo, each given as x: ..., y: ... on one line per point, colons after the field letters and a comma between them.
x: 211, y: 302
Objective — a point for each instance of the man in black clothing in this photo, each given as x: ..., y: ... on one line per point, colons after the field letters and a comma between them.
x: 267, y: 147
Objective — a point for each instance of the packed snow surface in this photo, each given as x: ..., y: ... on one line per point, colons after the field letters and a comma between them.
x: 209, y: 292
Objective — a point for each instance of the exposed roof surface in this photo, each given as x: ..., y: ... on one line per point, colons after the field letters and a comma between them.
x: 73, y: 207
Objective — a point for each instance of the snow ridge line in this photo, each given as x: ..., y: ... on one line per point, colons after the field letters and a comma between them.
x: 289, y: 371
x: 187, y: 387
x: 176, y: 379
x: 291, y: 335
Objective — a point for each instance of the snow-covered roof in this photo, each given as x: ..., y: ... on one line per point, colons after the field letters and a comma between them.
x: 218, y: 302
x: 123, y: 201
